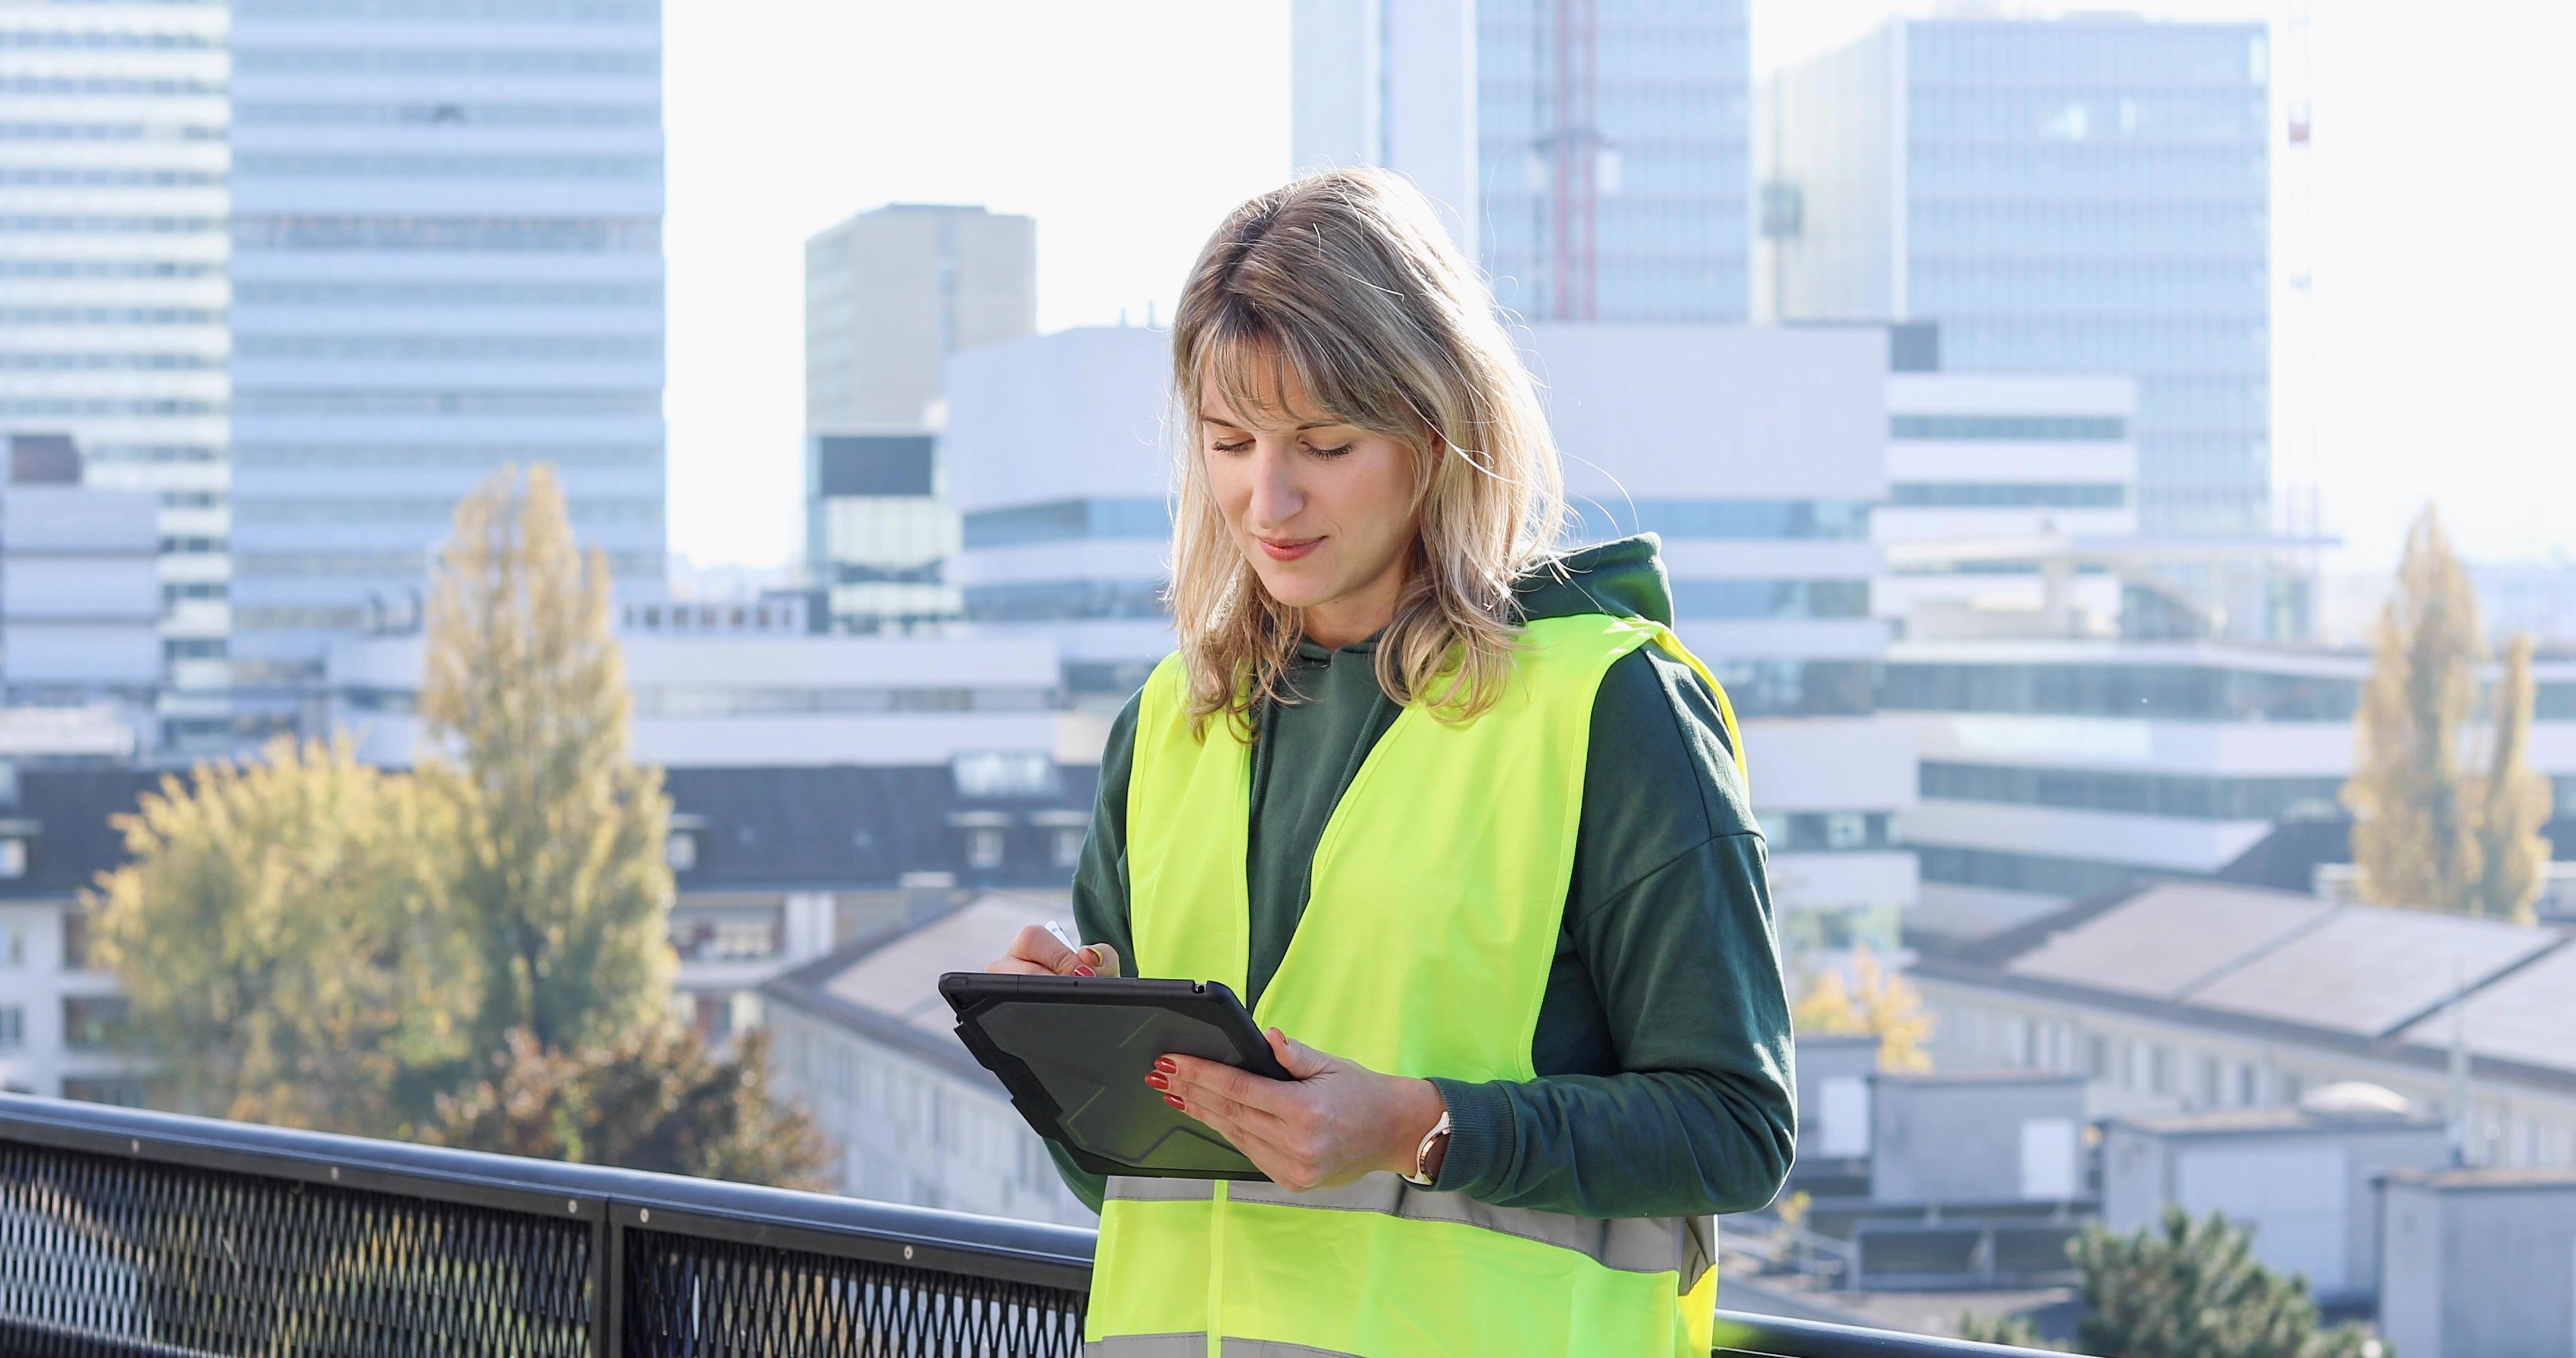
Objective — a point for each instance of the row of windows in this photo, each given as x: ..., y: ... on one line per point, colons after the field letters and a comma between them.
x: 122, y: 131
x: 2006, y: 228
x: 460, y: 294
x: 2066, y: 52
x: 1723, y: 519
x: 1829, y: 831
x: 2165, y: 692
x: 2053, y: 428
x: 1798, y: 688
x: 2145, y: 794
x: 2178, y: 115
x: 192, y: 545
x: 195, y: 590
x: 481, y: 11
x: 155, y: 452
x: 1137, y: 516
x: 76, y: 362
x: 2007, y: 495
x: 109, y: 226
x: 24, y: 85
x: 119, y: 39
x: 291, y: 401
x: 1723, y: 600
x: 110, y: 268
x: 476, y: 457
x: 130, y: 178
x: 455, y: 348
x: 111, y: 315
x: 2133, y: 343
x: 306, y: 113
x: 308, y: 165
x: 442, y: 61
x: 1944, y: 285
x: 1058, y: 600
x: 108, y: 409
x: 407, y: 566
x: 587, y: 510
x: 192, y: 648
x: 609, y: 235
x: 2039, y: 174
x: 1706, y: 289
x: 2041, y: 873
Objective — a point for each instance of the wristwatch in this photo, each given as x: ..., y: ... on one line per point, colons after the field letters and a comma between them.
x: 1438, y: 1136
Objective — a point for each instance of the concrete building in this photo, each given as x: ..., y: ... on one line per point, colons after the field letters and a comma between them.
x: 891, y: 293
x: 2050, y: 770
x: 2479, y: 1263
x: 863, y: 1040
x: 2301, y: 1176
x: 1833, y: 1096
x: 59, y: 1014
x: 447, y: 256
x: 113, y: 208
x: 1392, y: 83
x: 81, y: 596
x: 2181, y: 996
x: 2087, y: 194
x: 1984, y: 470
x: 879, y: 532
x: 704, y: 699
x: 1974, y: 1136
x: 1596, y: 157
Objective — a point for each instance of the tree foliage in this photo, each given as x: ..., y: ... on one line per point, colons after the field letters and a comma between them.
x: 476, y: 953
x: 1877, y: 1002
x: 281, y: 934
x: 2428, y: 832
x: 2185, y: 1288
x: 654, y: 1099
x: 559, y: 869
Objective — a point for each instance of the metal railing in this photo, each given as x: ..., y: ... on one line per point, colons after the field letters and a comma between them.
x: 132, y: 1233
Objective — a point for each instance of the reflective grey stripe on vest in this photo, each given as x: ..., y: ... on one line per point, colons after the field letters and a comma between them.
x: 1195, y: 1346
x: 1686, y: 1245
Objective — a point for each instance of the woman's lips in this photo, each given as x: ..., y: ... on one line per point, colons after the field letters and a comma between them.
x: 1288, y: 549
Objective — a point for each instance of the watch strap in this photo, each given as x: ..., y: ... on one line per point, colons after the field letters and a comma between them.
x: 1422, y: 1153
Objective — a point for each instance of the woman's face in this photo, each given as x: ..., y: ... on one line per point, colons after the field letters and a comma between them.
x: 1323, y: 511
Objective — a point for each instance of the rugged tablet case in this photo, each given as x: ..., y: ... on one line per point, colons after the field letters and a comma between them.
x: 1074, y: 1051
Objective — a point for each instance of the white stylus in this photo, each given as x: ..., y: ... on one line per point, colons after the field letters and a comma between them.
x: 1060, y: 936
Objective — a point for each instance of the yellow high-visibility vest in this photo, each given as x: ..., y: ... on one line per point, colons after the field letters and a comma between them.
x: 1438, y: 891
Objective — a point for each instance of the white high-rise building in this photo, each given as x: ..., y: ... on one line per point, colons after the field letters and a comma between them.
x: 113, y: 120
x: 447, y: 257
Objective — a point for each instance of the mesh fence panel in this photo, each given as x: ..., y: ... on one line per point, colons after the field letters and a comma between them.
x: 102, y: 1255
x: 688, y: 1297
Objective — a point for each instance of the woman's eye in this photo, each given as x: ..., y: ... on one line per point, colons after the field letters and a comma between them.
x: 1330, y: 452
x: 1231, y: 447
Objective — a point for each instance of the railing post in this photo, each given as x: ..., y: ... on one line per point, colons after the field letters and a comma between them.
x: 607, y: 1284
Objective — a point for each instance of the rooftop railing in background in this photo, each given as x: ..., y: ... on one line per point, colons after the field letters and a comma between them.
x: 134, y: 1233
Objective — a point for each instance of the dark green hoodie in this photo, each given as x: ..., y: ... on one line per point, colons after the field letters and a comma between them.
x: 1662, y: 1047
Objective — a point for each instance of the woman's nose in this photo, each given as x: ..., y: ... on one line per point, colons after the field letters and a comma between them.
x: 1275, y: 494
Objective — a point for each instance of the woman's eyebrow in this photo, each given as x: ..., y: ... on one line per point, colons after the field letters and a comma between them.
x: 1211, y: 417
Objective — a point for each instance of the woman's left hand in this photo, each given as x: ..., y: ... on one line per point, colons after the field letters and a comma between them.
x: 1333, y: 1123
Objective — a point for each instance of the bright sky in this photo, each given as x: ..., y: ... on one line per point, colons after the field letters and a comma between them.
x: 2445, y: 284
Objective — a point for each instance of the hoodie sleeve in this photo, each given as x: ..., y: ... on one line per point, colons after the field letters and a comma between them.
x: 1667, y: 1013
x: 1100, y: 897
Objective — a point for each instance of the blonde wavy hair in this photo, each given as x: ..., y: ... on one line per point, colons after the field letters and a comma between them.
x: 1348, y: 281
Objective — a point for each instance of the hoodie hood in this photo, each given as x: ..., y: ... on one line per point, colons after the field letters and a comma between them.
x: 1623, y: 578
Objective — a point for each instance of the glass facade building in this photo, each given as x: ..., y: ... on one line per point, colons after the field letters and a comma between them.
x: 112, y: 291
x: 446, y: 257
x: 2081, y: 195
x: 1614, y: 158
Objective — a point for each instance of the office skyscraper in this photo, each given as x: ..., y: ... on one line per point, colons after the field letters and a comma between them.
x: 890, y: 294
x: 447, y: 256
x: 112, y: 206
x: 1604, y: 144
x: 2080, y: 195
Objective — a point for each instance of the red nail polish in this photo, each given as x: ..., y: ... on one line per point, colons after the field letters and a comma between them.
x: 1175, y: 1102
x: 1167, y: 1065
x: 1084, y: 971
x: 1158, y: 1081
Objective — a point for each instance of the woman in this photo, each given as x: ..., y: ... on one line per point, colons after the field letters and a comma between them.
x: 1456, y: 816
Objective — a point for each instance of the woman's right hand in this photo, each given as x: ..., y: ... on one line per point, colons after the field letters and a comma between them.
x: 1035, y: 952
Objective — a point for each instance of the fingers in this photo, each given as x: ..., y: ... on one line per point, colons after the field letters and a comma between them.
x: 1210, y: 1098
x: 1302, y: 1061
x: 1193, y: 1077
x: 1104, y: 959
x: 1040, y: 949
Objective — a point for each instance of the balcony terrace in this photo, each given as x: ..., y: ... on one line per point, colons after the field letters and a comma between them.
x: 129, y: 1233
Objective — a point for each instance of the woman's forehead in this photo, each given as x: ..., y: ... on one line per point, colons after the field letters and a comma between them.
x: 1253, y: 387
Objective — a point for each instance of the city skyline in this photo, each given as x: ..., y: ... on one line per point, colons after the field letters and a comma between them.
x: 2391, y: 175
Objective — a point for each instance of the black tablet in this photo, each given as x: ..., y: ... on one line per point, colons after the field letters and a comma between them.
x: 1074, y: 1051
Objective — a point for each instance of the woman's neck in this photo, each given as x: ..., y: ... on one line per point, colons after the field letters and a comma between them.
x: 1357, y: 615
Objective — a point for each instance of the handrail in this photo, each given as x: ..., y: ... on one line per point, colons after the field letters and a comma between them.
x: 148, y: 1209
